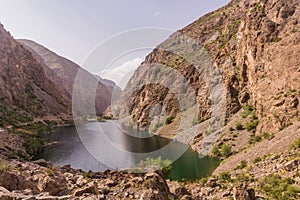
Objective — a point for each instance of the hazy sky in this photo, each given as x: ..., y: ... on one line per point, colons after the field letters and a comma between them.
x: 73, y: 28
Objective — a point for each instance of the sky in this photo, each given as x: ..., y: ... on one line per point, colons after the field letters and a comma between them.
x: 75, y: 28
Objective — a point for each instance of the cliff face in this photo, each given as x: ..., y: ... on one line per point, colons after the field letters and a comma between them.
x: 253, y: 45
x: 67, y: 71
x: 24, y: 83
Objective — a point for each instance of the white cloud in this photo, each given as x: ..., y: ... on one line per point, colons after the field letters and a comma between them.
x: 156, y: 14
x: 121, y: 74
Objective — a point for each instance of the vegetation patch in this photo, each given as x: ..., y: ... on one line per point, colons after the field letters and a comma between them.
x: 156, y: 164
x: 10, y: 115
x: 276, y: 187
x: 225, y: 177
x: 215, y: 151
x: 169, y: 120
x: 257, y: 160
x: 297, y: 143
x: 226, y: 150
x: 254, y: 139
x: 248, y: 109
x: 242, y: 165
x: 239, y: 126
x: 251, y: 126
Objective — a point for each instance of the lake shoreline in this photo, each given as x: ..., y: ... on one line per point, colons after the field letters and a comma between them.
x: 66, y: 148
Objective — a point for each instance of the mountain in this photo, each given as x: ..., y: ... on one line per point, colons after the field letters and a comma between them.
x: 25, y: 85
x: 253, y: 49
x: 229, y: 85
x: 71, y: 74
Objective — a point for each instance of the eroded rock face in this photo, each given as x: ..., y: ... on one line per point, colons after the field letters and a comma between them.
x: 24, y: 84
x: 67, y: 71
x: 255, y: 47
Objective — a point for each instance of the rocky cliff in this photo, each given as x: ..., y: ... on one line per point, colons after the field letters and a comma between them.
x: 252, y: 48
x: 67, y: 71
x: 25, y: 85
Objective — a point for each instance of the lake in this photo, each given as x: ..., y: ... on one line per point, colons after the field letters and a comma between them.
x: 99, y: 146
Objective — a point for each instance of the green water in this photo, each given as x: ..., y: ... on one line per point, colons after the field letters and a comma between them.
x: 70, y: 149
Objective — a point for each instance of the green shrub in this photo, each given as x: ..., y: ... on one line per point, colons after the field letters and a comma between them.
x: 275, y: 187
x: 203, y: 119
x: 257, y: 160
x: 226, y: 150
x: 203, y: 181
x: 243, y: 177
x: 169, y: 120
x: 242, y: 165
x: 278, y: 39
x: 247, y: 110
x: 225, y: 176
x: 50, y: 171
x: 297, y: 143
x: 251, y: 126
x: 254, y: 138
x: 267, y: 136
x: 238, y: 126
x: 88, y: 174
x: 215, y: 151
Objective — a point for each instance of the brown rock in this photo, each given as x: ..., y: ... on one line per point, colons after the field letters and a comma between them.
x: 291, y: 165
x: 243, y: 193
x: 90, y: 188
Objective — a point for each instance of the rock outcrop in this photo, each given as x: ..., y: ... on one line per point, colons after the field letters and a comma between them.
x: 42, y: 180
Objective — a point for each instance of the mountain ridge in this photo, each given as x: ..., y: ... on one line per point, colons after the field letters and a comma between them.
x: 68, y: 71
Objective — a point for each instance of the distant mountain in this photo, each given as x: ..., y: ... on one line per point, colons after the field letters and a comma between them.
x: 67, y: 71
x: 112, y: 87
x: 24, y: 83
